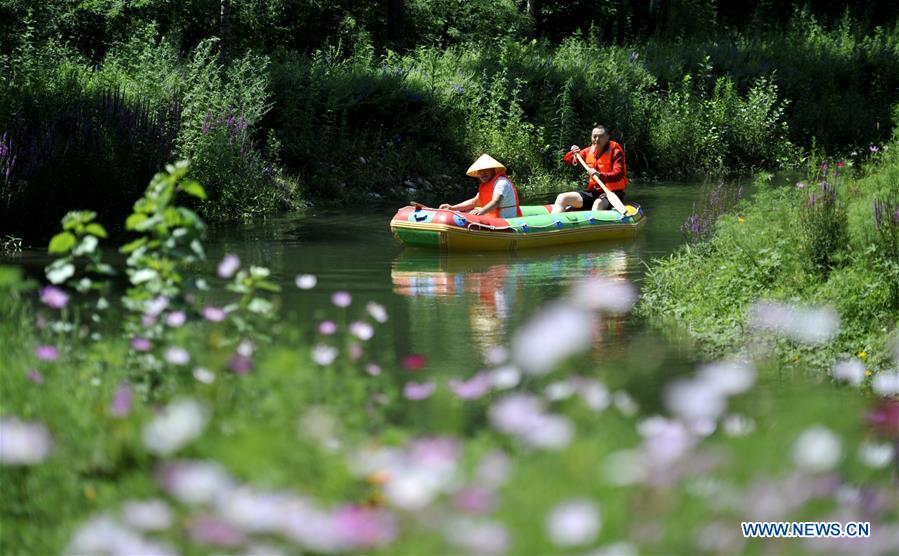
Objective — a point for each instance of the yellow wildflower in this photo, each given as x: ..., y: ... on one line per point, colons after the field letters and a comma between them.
x: 740, y: 219
x: 868, y: 372
x: 863, y: 355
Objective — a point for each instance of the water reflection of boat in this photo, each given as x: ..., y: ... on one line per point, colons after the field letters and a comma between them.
x: 497, y: 288
x: 536, y: 228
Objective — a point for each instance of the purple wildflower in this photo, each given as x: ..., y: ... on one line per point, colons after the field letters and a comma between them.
x: 240, y: 365
x: 46, y: 353
x: 327, y: 328
x: 140, y: 344
x: 35, y: 376
x: 54, y: 297
x: 121, y: 402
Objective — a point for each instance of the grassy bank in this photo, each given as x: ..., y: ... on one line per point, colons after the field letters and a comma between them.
x: 831, y: 240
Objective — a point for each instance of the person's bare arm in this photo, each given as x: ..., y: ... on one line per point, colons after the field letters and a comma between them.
x: 464, y: 206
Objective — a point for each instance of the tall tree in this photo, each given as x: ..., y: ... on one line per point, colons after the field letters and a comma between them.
x: 396, y: 32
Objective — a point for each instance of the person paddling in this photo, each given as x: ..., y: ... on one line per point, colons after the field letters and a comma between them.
x: 497, y: 195
x: 605, y: 158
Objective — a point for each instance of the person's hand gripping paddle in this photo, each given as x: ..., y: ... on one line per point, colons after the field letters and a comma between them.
x: 616, y: 202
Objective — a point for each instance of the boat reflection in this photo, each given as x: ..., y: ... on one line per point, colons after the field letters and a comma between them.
x: 498, y: 288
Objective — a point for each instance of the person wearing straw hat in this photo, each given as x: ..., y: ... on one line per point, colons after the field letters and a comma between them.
x: 497, y: 195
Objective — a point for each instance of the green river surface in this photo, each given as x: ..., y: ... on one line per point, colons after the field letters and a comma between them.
x: 450, y: 307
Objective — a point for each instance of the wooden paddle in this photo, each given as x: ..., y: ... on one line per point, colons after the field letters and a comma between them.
x: 616, y: 202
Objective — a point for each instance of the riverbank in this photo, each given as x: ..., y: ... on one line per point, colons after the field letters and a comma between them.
x: 829, y: 243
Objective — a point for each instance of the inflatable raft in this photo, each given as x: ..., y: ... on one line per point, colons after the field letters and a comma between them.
x: 460, y: 231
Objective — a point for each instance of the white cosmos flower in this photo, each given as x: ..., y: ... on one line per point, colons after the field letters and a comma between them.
x: 195, y: 482
x: 175, y: 426
x: 877, y: 456
x: 573, y: 523
x: 604, y: 294
x: 849, y: 370
x: 817, y: 449
x: 554, y: 334
x: 886, y: 383
x: 306, y: 281
x: 729, y: 377
x: 147, y: 515
x: 23, y: 443
x: 694, y: 399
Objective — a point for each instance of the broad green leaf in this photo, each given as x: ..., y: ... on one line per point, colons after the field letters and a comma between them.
x: 62, y: 242
x: 129, y: 247
x: 97, y: 229
x: 134, y: 220
x: 195, y: 189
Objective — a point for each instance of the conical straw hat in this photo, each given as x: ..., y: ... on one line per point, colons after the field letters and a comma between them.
x: 486, y: 162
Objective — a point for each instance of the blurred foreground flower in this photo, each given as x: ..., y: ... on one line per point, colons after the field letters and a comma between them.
x: 604, y: 294
x: 306, y: 281
x: 175, y: 426
x: 23, y: 443
x: 54, y: 297
x: 849, y: 370
x: 810, y: 325
x: 228, y: 266
x: 554, y: 334
x: 817, y: 449
x: 573, y: 523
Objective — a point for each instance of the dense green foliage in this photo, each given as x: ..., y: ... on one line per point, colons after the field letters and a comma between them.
x: 282, y: 100
x: 831, y: 240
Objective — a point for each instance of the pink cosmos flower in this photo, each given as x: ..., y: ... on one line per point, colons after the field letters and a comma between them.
x: 373, y: 369
x: 342, y: 299
x: 54, y: 297
x: 419, y: 390
x: 228, y: 266
x: 209, y: 530
x: 472, y: 389
x: 361, y: 528
x: 175, y: 319
x: 214, y: 314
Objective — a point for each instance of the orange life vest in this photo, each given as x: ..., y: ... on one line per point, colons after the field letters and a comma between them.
x: 605, y: 166
x: 485, y: 195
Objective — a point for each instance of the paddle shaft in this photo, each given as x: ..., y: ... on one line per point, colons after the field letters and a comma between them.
x: 616, y: 202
